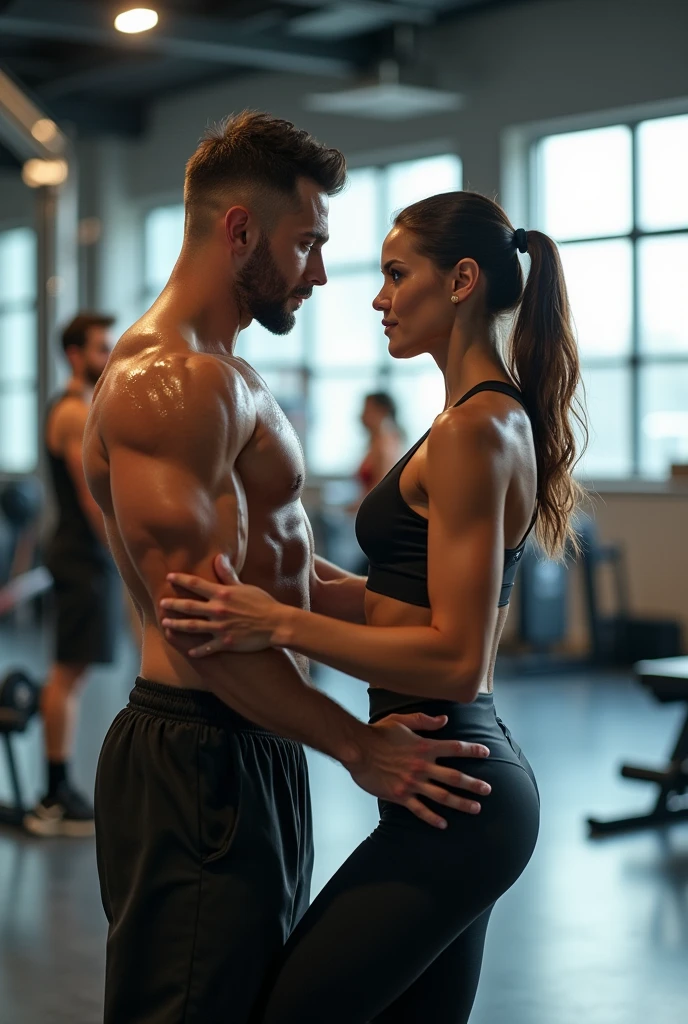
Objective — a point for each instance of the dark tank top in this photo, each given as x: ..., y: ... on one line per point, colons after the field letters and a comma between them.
x: 395, y: 537
x: 73, y: 535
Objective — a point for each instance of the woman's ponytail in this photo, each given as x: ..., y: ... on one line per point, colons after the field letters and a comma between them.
x: 543, y: 359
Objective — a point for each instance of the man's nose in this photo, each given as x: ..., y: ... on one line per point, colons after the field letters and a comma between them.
x: 315, y: 270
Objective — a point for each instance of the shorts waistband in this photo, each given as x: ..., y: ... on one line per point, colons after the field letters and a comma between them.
x: 188, y: 705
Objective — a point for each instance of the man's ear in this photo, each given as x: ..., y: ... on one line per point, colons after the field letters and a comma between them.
x: 238, y: 229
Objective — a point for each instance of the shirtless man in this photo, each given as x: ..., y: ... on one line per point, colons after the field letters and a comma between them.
x: 202, y: 805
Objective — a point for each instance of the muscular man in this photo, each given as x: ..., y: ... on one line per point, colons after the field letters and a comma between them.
x: 202, y: 805
x: 86, y: 584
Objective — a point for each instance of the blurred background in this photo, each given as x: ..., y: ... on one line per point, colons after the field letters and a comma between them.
x: 574, y: 115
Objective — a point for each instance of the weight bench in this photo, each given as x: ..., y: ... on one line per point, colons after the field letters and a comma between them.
x: 667, y: 679
x: 18, y: 693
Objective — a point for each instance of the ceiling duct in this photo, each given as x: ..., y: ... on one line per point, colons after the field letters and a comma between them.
x: 401, y: 88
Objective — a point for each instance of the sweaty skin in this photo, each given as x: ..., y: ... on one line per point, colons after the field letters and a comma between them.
x: 159, y: 404
x: 188, y: 455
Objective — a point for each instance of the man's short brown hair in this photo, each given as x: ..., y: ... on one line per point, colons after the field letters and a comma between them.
x: 76, y: 331
x: 260, y: 158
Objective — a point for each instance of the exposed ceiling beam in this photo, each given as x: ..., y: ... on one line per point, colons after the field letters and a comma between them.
x: 96, y: 116
x: 18, y: 117
x: 206, y: 39
x: 137, y: 75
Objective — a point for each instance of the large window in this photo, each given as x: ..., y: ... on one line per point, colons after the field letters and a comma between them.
x: 337, y: 352
x: 18, y: 353
x: 616, y: 201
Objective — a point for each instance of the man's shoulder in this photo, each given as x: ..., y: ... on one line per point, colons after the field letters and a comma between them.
x: 155, y: 386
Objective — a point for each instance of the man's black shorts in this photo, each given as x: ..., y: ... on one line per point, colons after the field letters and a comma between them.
x: 204, y: 844
x: 88, y: 605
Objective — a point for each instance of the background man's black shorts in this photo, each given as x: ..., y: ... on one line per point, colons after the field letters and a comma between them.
x: 88, y: 609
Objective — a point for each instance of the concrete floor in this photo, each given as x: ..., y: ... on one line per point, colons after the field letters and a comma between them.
x: 593, y: 932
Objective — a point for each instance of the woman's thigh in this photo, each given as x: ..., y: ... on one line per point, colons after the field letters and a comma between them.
x: 399, y: 901
x: 445, y: 992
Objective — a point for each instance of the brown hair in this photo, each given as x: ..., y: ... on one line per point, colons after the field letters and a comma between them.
x: 76, y: 331
x: 542, y: 355
x: 264, y: 156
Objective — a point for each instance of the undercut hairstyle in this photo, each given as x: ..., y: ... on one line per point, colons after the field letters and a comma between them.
x: 76, y: 332
x: 541, y: 354
x: 255, y: 158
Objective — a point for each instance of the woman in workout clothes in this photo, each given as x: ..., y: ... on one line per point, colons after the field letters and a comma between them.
x: 397, y: 934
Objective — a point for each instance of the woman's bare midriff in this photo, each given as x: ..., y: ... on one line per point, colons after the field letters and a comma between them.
x: 388, y: 612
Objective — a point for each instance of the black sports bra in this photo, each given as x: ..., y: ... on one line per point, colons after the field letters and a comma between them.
x: 395, y: 538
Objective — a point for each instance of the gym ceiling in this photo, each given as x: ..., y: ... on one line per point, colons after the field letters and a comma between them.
x: 67, y: 55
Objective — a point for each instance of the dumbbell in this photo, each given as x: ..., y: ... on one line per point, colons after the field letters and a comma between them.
x: 19, y: 700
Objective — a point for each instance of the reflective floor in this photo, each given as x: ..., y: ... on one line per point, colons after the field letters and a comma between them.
x: 594, y: 932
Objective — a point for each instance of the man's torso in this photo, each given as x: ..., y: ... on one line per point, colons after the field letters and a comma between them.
x: 257, y: 505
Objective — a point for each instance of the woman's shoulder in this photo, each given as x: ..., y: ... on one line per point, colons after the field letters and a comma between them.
x: 477, y: 425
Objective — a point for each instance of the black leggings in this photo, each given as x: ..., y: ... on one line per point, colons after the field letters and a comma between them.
x: 397, y: 934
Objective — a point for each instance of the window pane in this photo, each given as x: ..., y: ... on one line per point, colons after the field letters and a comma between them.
x: 163, y: 239
x: 347, y: 330
x: 354, y: 220
x: 664, y: 418
x: 18, y: 424
x: 663, y: 274
x: 608, y: 400
x: 663, y: 173
x: 412, y: 180
x: 585, y: 183
x: 336, y: 439
x: 18, y: 357
x: 420, y: 398
x: 260, y: 348
x: 18, y: 265
x: 599, y: 279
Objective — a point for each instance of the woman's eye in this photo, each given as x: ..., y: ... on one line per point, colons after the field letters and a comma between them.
x: 395, y: 275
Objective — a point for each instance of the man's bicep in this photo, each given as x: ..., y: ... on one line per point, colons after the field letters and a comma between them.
x: 164, y: 515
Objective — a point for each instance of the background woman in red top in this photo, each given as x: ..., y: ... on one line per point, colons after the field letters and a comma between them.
x: 386, y: 439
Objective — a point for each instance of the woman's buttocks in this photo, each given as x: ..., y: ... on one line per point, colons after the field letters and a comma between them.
x: 501, y: 838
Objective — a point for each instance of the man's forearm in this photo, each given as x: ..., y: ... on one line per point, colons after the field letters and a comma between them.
x: 268, y: 689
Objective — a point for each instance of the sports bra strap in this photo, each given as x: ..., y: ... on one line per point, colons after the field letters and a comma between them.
x: 512, y: 392
x: 494, y: 385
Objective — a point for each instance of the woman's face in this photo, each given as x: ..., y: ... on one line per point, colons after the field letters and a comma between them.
x: 415, y: 299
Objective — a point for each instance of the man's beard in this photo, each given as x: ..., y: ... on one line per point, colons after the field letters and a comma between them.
x: 263, y: 292
x: 92, y: 376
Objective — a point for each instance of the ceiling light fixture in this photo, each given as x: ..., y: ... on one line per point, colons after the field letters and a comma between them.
x: 138, y: 19
x: 44, y: 130
x: 38, y: 173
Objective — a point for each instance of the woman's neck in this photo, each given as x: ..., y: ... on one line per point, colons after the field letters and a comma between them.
x: 471, y: 356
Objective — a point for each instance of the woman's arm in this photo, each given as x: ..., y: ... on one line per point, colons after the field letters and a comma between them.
x: 466, y: 488
x: 466, y: 484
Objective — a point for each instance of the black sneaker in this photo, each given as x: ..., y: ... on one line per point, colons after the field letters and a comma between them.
x: 65, y: 814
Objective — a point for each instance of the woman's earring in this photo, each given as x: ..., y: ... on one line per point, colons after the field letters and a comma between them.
x: 455, y: 298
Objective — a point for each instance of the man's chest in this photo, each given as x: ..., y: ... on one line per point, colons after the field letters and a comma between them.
x: 271, y: 466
